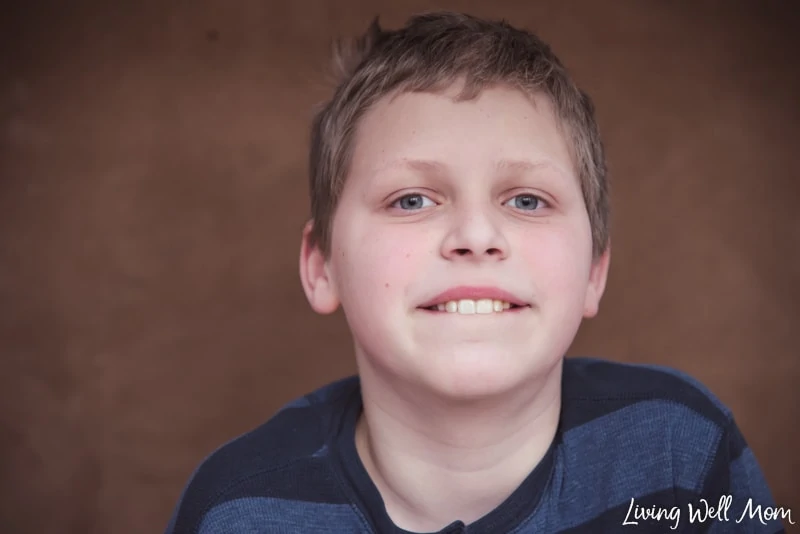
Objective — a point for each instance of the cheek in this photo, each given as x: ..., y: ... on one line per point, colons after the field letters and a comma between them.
x: 559, y: 261
x: 381, y: 265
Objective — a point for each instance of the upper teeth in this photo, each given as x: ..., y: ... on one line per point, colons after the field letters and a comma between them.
x: 470, y: 306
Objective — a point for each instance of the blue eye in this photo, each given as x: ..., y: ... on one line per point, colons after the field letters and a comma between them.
x: 527, y: 202
x: 413, y: 201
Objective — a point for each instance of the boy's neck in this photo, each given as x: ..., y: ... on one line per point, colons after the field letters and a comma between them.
x: 452, y: 463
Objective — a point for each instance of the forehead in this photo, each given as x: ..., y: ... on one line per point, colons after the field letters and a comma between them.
x: 500, y: 128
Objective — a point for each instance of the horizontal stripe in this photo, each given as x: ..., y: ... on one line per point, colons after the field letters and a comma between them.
x: 257, y: 515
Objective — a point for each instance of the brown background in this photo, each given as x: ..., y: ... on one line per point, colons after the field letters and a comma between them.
x: 153, y: 190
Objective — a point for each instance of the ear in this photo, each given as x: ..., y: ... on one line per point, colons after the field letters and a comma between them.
x: 597, y: 283
x: 315, y: 275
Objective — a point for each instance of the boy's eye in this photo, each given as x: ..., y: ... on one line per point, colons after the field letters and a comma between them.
x: 415, y: 201
x: 527, y: 202
x: 412, y: 201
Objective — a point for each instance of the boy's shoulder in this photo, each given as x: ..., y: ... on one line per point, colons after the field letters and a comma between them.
x: 284, y: 458
x: 624, y: 416
x: 649, y: 435
x: 298, y: 430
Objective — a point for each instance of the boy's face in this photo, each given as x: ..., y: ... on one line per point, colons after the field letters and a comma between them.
x: 441, y: 195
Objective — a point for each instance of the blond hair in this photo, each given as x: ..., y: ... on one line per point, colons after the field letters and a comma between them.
x: 430, y: 53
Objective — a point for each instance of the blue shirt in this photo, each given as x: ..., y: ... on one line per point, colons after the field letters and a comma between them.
x: 637, y: 450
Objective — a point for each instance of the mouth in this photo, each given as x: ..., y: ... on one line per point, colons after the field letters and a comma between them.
x: 475, y: 307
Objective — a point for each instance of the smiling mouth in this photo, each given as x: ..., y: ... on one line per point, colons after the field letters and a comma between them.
x: 475, y: 307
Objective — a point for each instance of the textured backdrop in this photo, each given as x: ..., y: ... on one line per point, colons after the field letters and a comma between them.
x: 153, y: 191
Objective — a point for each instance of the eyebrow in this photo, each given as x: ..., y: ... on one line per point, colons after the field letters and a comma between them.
x: 425, y: 166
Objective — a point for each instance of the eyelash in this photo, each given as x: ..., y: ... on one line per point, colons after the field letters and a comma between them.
x: 539, y: 200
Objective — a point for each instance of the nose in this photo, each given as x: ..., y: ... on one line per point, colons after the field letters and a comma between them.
x: 475, y: 234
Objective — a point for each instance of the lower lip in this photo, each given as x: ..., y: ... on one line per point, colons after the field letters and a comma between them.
x: 510, y: 311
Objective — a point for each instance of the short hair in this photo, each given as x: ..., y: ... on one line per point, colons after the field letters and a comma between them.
x: 428, y: 54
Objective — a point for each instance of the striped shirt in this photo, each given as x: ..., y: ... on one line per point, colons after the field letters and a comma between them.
x: 639, y: 448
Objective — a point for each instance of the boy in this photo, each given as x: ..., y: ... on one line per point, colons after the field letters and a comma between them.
x: 460, y: 217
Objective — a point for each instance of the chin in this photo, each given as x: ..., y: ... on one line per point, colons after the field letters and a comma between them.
x: 478, y: 378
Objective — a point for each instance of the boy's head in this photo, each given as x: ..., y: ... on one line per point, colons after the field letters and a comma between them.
x: 456, y: 162
x: 431, y: 53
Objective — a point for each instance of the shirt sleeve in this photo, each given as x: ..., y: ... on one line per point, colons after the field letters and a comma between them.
x: 736, y: 487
